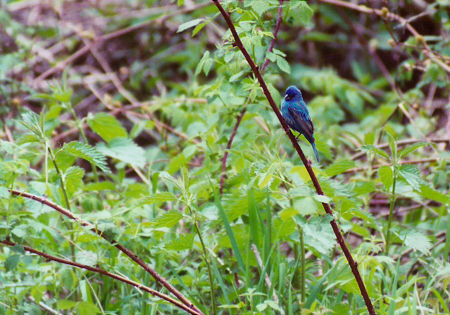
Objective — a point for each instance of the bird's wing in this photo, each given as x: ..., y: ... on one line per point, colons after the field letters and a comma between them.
x: 302, y: 122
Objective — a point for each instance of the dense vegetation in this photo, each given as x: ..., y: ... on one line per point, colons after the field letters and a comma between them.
x: 143, y: 146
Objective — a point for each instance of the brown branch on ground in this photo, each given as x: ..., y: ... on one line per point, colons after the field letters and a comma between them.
x: 244, y: 110
x: 353, y: 265
x: 104, y: 272
x: 113, y: 242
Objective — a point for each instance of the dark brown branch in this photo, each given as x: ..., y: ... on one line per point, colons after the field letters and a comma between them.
x: 106, y: 273
x: 120, y: 247
x: 244, y: 110
x: 327, y: 208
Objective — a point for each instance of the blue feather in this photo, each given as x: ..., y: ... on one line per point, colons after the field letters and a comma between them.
x: 295, y: 112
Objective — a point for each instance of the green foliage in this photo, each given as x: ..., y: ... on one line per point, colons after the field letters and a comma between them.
x: 131, y: 136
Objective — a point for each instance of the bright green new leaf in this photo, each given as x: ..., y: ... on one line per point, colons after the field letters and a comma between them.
x: 386, y: 176
x: 107, y: 127
x: 86, y: 152
x: 189, y: 24
x: 124, y: 150
x: 418, y: 241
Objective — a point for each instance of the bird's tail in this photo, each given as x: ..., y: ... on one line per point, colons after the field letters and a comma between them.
x: 315, y: 151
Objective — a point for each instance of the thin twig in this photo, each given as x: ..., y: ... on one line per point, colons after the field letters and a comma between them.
x: 312, y: 175
x: 120, y: 247
x: 106, y: 273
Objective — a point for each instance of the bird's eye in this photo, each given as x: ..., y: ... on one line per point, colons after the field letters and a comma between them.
x: 287, y: 97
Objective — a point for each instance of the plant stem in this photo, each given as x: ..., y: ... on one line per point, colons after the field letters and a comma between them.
x: 302, y: 255
x: 208, y: 265
x: 391, y: 211
x: 83, y: 135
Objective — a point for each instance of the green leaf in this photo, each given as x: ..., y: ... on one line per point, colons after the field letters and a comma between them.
x: 339, y: 167
x: 160, y: 198
x: 430, y: 193
x: 283, y: 64
x: 318, y: 234
x: 370, y: 147
x: 198, y: 28
x: 182, y: 242
x: 124, y: 150
x: 418, y: 241
x: 11, y: 262
x: 411, y: 148
x: 107, y: 127
x: 66, y: 304
x: 386, y: 176
x: 189, y: 24
x: 202, y: 61
x: 32, y: 122
x: 322, y: 198
x: 74, y: 179
x: 168, y: 219
x: 86, y: 258
x: 86, y: 152
x: 412, y: 175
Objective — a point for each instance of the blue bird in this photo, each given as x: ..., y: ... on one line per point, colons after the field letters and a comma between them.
x: 296, y: 115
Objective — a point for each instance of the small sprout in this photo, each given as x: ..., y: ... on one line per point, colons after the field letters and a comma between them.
x: 420, y: 40
x: 384, y: 12
x: 391, y: 42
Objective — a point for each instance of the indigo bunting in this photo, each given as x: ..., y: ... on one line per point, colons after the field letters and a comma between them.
x: 296, y: 115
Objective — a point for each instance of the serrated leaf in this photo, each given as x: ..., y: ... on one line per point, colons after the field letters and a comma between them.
x: 124, y: 150
x: 418, y: 241
x: 318, y: 234
x: 182, y: 242
x: 283, y: 64
x: 159, y: 198
x: 189, y: 24
x: 168, y: 219
x: 411, y: 148
x: 73, y: 179
x: 430, y: 193
x: 31, y: 121
x: 11, y: 262
x: 412, y: 175
x: 107, y: 127
x: 386, y: 176
x: 86, y: 152
x: 86, y: 258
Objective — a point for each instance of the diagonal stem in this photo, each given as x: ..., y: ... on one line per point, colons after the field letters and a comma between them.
x: 120, y: 247
x: 327, y: 208
x: 106, y: 273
